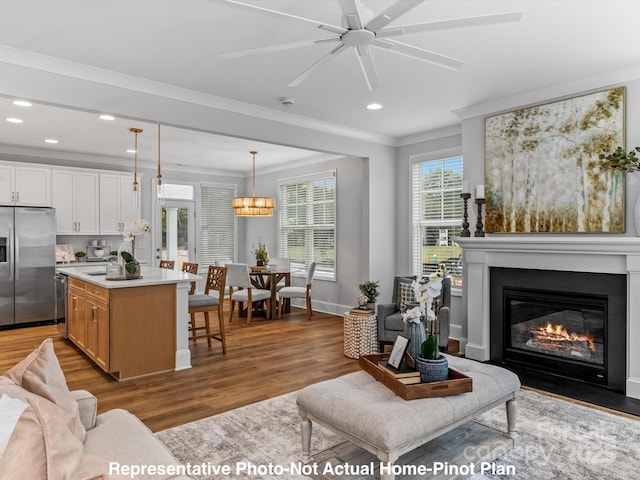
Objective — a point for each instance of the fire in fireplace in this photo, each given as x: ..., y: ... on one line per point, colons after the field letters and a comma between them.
x: 564, y: 323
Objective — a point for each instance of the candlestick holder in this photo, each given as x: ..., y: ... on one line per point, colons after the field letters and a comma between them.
x: 479, y: 227
x: 465, y: 215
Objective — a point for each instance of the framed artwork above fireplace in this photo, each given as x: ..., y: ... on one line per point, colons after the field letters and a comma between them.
x: 542, y: 171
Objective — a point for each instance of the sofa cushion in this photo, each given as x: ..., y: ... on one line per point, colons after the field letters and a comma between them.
x: 121, y: 437
x: 41, y: 446
x: 40, y: 373
x: 11, y: 409
x: 394, y: 322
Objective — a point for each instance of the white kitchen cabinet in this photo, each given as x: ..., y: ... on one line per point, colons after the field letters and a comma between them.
x: 116, y: 203
x: 28, y: 186
x: 76, y: 200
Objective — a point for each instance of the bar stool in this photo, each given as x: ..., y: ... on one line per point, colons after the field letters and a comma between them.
x: 191, y: 268
x: 207, y: 302
x: 168, y: 264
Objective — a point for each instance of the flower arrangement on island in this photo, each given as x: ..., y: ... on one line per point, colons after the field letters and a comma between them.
x: 136, y: 228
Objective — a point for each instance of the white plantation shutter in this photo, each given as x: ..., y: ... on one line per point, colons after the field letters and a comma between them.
x: 437, y: 215
x: 218, y: 227
x: 307, y: 222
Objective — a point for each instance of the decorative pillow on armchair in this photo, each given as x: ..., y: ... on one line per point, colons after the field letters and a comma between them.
x: 40, y: 373
x: 405, y: 294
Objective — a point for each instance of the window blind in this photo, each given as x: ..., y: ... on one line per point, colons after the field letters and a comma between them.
x: 218, y: 224
x: 437, y: 216
x: 307, y: 222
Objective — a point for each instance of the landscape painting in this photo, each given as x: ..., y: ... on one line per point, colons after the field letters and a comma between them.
x: 542, y: 171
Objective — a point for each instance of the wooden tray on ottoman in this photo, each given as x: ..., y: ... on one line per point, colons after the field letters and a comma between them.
x: 456, y: 384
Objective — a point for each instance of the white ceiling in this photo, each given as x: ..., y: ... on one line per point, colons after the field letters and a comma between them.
x: 180, y: 43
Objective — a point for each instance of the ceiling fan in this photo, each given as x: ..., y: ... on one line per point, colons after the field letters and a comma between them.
x: 362, y: 36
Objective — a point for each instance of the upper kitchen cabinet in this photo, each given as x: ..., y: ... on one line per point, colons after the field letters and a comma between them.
x: 116, y: 203
x: 76, y: 200
x: 29, y: 186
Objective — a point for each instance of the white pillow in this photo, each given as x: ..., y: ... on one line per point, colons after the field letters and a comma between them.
x: 10, y: 411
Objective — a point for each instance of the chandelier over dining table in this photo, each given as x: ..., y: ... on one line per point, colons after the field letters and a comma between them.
x: 254, y: 206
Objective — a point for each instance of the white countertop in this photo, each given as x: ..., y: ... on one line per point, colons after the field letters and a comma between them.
x: 150, y: 276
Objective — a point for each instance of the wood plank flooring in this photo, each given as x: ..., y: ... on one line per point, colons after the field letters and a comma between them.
x: 265, y: 359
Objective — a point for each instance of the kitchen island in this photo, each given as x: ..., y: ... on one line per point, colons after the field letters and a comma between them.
x: 130, y: 328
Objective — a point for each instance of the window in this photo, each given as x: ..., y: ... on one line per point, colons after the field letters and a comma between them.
x: 217, y: 224
x: 307, y: 222
x: 437, y: 216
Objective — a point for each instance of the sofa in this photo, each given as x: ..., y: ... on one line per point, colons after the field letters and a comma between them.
x: 390, y: 323
x: 49, y: 432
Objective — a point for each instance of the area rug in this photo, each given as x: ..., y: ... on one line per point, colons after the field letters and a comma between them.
x: 556, y: 440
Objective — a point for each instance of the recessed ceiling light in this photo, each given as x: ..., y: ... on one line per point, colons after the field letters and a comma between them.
x: 22, y: 103
x: 374, y: 106
x: 106, y: 117
x: 131, y: 151
x: 50, y: 140
x: 13, y: 120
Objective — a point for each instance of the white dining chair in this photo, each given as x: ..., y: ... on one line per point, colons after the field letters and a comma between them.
x: 282, y: 264
x: 242, y: 290
x: 298, y: 292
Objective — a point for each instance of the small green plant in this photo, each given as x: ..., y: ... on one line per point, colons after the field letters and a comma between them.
x: 620, y: 160
x: 370, y: 289
x: 260, y: 252
x: 81, y: 254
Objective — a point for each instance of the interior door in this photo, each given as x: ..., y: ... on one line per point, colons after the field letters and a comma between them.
x: 177, y: 234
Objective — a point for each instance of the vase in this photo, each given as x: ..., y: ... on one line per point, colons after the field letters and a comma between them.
x: 260, y: 263
x: 132, y: 270
x: 416, y: 334
x: 433, y: 370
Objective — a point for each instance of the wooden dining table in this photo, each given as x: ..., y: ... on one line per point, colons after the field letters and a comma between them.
x: 267, y: 280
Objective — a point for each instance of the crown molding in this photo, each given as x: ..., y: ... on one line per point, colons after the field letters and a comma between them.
x: 28, y: 59
x: 586, y: 84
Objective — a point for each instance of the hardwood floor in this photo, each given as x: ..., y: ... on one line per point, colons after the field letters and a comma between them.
x: 265, y: 359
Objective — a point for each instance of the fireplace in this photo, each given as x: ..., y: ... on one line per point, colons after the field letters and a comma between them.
x: 569, y: 324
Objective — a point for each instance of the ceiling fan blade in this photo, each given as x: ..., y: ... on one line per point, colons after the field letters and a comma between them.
x: 278, y: 48
x: 451, y: 24
x: 392, y: 13
x: 351, y: 14
x: 275, y: 14
x: 421, y: 54
x: 304, y: 75
x: 368, y: 67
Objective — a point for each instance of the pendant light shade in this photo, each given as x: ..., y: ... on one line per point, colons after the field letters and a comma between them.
x: 254, y: 206
x: 136, y: 187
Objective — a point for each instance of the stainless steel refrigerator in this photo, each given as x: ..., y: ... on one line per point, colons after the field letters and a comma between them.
x: 27, y: 265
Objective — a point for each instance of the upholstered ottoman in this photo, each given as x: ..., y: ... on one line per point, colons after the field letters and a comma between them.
x: 370, y: 415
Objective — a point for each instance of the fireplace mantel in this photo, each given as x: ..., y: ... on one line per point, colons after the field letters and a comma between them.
x: 578, y: 253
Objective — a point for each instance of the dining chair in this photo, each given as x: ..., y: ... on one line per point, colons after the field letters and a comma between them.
x: 191, y: 268
x: 283, y: 264
x: 298, y: 292
x: 208, y: 302
x: 238, y: 278
x: 168, y: 264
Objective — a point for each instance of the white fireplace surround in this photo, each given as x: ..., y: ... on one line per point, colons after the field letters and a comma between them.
x: 595, y: 254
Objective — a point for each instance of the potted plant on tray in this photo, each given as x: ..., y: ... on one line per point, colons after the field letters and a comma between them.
x: 261, y: 253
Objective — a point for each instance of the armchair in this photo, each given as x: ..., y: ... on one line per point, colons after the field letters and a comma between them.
x: 390, y: 322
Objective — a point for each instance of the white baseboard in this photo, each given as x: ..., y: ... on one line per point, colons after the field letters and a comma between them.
x: 320, y: 306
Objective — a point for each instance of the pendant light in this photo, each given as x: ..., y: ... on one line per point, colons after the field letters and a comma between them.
x: 136, y: 189
x: 254, y: 206
x: 159, y: 185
